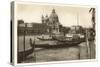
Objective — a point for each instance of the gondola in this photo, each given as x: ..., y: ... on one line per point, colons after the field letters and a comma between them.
x: 45, y: 39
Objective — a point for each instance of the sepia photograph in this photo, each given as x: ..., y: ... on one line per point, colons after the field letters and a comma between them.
x: 55, y: 32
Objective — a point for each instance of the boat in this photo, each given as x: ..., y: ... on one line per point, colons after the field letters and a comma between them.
x: 58, y: 44
x: 45, y: 39
x: 75, y: 39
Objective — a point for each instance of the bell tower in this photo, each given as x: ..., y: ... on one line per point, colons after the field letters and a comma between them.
x: 42, y: 19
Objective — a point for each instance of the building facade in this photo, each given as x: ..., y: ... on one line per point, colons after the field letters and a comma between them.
x: 52, y: 21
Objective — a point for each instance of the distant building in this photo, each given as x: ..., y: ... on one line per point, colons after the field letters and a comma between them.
x: 32, y: 28
x: 20, y: 21
x: 76, y: 29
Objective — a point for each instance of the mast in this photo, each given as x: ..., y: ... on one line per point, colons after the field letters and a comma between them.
x: 77, y: 19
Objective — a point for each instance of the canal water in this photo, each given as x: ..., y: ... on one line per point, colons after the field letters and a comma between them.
x: 55, y: 54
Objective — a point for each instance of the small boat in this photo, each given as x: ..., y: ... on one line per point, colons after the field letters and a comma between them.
x: 45, y: 39
x: 68, y: 40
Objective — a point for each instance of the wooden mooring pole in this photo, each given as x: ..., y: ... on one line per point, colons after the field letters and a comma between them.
x: 24, y: 42
x: 34, y: 49
x: 87, y: 44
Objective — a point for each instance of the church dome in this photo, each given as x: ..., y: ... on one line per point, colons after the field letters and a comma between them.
x: 53, y: 16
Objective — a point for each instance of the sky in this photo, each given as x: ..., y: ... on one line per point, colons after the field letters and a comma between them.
x: 68, y: 15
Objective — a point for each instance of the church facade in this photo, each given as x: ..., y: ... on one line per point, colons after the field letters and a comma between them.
x: 52, y: 21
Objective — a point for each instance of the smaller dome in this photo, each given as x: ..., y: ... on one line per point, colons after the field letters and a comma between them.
x: 42, y: 17
x: 46, y: 18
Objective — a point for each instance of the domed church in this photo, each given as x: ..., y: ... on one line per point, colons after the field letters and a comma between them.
x: 52, y: 21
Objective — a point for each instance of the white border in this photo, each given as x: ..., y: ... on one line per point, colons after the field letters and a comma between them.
x: 54, y: 4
